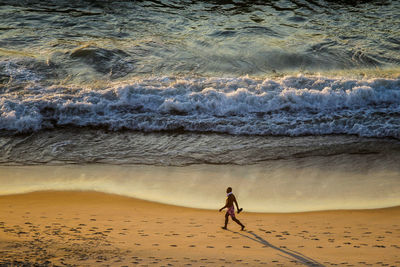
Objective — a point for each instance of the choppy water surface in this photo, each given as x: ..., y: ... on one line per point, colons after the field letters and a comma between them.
x: 87, y: 40
x: 255, y: 87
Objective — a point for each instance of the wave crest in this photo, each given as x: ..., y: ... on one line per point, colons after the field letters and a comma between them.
x: 287, y: 106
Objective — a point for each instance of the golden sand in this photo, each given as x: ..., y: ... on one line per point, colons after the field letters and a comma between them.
x: 90, y: 228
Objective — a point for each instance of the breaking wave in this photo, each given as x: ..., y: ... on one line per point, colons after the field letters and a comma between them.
x: 288, y: 106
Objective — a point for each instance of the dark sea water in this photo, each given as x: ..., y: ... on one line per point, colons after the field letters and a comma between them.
x: 272, y: 89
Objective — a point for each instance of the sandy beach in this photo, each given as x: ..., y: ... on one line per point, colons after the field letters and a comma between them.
x: 88, y: 228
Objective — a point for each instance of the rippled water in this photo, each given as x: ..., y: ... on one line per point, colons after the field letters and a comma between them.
x: 179, y: 65
x: 86, y: 146
x: 89, y: 40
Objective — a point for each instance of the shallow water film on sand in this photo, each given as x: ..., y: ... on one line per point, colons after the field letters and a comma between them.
x: 296, y: 104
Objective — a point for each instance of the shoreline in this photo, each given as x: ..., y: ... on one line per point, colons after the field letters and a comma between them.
x: 51, y: 192
x: 331, y: 183
x: 87, y: 228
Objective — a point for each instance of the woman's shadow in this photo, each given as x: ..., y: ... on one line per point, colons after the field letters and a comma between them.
x: 290, y: 254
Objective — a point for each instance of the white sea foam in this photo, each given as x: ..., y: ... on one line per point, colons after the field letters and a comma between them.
x: 286, y: 106
x: 18, y: 73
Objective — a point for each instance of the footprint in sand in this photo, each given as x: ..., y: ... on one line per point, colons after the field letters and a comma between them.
x: 210, y: 247
x: 228, y: 246
x: 173, y: 246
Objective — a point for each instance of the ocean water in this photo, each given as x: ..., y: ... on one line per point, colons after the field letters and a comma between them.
x: 295, y: 104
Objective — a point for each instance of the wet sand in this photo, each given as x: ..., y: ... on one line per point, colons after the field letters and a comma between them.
x: 90, y: 228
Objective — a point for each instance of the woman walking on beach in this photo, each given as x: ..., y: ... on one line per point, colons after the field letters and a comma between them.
x: 230, y: 199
